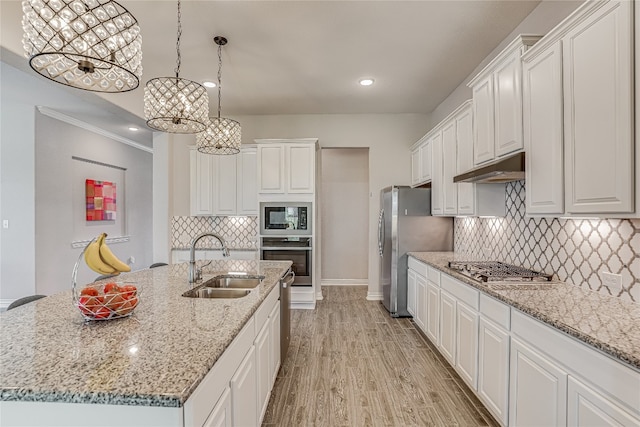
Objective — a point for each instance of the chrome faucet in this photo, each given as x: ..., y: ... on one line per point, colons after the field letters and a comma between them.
x: 194, y: 273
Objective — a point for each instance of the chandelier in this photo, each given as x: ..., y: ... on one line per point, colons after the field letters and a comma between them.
x: 174, y: 104
x: 87, y: 44
x: 222, y: 136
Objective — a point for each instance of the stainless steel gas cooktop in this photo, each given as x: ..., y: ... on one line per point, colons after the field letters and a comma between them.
x: 494, y: 271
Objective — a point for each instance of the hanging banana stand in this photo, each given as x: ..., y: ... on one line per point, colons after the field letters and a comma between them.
x: 94, y: 303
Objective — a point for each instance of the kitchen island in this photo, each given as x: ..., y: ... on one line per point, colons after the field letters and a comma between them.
x: 155, y: 359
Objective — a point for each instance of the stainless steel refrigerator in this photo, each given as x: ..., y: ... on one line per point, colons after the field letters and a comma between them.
x: 405, y: 225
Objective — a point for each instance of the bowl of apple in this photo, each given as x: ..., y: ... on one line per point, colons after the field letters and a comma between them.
x: 107, y: 301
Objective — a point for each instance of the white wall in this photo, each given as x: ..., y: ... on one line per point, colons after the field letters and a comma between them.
x: 542, y: 19
x: 19, y: 96
x: 345, y: 215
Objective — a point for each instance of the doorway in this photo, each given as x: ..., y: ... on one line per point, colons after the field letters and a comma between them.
x: 344, y: 213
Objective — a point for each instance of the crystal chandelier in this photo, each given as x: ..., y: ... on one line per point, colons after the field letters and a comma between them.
x: 87, y: 44
x: 173, y: 104
x: 222, y: 136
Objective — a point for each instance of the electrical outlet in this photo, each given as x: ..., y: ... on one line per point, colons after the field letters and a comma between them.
x: 486, y: 251
x: 5, y: 223
x: 132, y: 260
x: 612, y: 281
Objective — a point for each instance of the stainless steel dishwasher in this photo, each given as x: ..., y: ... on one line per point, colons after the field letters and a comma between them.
x: 285, y: 313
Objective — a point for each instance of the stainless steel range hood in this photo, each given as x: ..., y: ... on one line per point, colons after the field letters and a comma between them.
x: 502, y: 170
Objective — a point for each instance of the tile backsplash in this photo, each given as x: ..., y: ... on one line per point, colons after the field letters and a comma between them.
x: 240, y: 232
x: 576, y: 251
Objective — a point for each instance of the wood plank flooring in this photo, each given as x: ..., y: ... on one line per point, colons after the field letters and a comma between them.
x: 351, y: 364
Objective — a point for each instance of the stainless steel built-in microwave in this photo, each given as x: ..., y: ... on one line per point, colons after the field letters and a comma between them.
x: 286, y: 218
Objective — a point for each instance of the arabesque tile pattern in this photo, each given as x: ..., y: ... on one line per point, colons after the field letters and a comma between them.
x: 240, y: 232
x: 576, y: 251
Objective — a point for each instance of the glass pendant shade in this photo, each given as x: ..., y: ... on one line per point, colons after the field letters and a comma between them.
x: 176, y: 105
x: 222, y: 136
x: 94, y: 45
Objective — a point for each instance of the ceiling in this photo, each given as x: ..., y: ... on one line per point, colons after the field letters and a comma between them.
x: 306, y: 57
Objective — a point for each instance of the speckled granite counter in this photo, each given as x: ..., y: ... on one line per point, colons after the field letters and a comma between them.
x: 156, y: 357
x: 603, y: 322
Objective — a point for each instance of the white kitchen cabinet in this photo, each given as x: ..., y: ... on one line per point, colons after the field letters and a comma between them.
x: 221, y: 414
x: 247, y: 182
x: 464, y: 159
x: 467, y: 344
x: 588, y: 407
x: 415, y: 166
x: 493, y: 368
x: 224, y: 185
x: 538, y: 389
x: 542, y: 116
x: 448, y: 327
x: 579, y: 115
x: 421, y: 302
x: 425, y: 162
x: 411, y: 292
x: 286, y: 167
x: 598, y: 74
x: 437, y: 177
x: 493, y: 357
x: 244, y: 398
x: 497, y: 103
x: 449, y: 149
x: 433, y: 312
x: 274, y: 322
x: 263, y: 368
x: 201, y: 183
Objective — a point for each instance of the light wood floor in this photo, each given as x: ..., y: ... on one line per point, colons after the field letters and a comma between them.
x: 351, y: 364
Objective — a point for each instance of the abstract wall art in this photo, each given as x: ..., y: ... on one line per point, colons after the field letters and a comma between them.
x: 101, y: 200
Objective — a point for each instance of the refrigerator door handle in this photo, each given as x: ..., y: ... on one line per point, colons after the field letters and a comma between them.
x: 381, y: 232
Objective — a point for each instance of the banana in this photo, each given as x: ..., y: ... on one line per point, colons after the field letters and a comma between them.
x: 110, y: 259
x: 93, y: 259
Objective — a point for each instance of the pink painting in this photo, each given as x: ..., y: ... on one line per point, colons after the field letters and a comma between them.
x: 101, y: 200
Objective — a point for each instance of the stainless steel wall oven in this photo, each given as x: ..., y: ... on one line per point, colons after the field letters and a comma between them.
x: 295, y: 249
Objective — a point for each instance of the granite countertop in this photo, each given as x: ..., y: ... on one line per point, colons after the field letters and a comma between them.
x: 602, y: 321
x: 155, y: 357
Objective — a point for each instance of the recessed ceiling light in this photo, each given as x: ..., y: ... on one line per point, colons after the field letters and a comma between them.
x: 209, y: 84
x: 133, y: 128
x: 366, y: 82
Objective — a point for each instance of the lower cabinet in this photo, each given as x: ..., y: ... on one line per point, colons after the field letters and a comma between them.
x: 236, y: 390
x: 221, y: 414
x: 524, y: 371
x: 587, y: 407
x: 493, y: 369
x: 448, y: 327
x: 411, y: 292
x: 421, y: 302
x: 244, y: 399
x: 538, y: 390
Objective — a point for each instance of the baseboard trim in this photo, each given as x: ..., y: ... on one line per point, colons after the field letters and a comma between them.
x: 374, y: 296
x: 303, y: 305
x: 4, y: 304
x: 319, y: 296
x: 344, y: 282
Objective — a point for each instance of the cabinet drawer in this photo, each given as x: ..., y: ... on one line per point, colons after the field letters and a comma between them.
x: 463, y: 292
x: 262, y: 313
x: 417, y: 266
x: 499, y: 312
x: 433, y: 275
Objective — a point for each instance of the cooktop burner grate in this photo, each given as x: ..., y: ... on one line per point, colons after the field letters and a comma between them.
x: 494, y: 271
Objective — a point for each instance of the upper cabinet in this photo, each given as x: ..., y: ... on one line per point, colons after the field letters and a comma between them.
x: 286, y: 166
x: 497, y: 104
x: 224, y: 185
x: 421, y: 162
x: 579, y: 115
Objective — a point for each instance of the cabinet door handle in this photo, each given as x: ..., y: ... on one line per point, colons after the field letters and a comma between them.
x: 381, y: 233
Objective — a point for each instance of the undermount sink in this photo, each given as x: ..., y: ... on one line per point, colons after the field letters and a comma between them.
x: 225, y: 286
x: 235, y: 282
x: 207, y: 292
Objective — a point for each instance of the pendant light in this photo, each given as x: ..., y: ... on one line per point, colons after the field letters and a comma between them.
x: 174, y: 104
x: 222, y: 136
x: 87, y: 44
